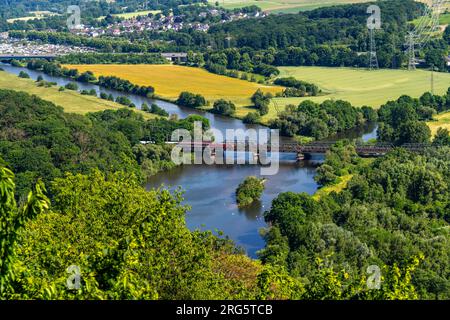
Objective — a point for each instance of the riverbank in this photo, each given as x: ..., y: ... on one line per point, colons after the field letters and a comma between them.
x: 170, y: 80
x: 441, y: 120
x: 72, y: 101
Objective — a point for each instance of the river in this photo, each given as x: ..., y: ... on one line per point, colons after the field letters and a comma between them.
x: 210, y: 190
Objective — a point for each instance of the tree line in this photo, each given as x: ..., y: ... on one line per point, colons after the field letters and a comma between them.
x: 393, y: 209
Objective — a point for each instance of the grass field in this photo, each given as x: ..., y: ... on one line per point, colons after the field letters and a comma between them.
x: 170, y: 80
x: 71, y: 101
x: 338, y: 187
x: 443, y: 20
x: 283, y: 6
x: 440, y: 121
x: 135, y: 14
x: 33, y: 15
x: 363, y: 87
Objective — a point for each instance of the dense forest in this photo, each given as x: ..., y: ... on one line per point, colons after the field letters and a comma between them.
x: 393, y: 209
x: 130, y: 243
x: 403, y: 121
x: 37, y: 139
x: 321, y: 120
x: 73, y: 196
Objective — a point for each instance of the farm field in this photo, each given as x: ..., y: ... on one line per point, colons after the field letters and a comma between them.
x: 134, y: 14
x: 440, y: 121
x: 170, y: 80
x: 283, y: 6
x: 362, y: 87
x: 71, y: 101
x: 33, y: 15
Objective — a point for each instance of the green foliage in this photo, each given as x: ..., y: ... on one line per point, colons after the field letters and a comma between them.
x: 112, y: 58
x: 249, y: 190
x: 340, y: 160
x: 129, y: 243
x: 24, y: 75
x: 37, y: 139
x: 320, y: 121
x: 224, y: 107
x: 12, y: 221
x: 123, y: 100
x: 447, y: 35
x: 297, y: 88
x: 155, y: 109
x: 393, y: 213
x: 71, y: 86
x: 252, y: 118
x: 402, y: 121
x: 191, y: 100
x: 261, y: 101
x: 442, y: 138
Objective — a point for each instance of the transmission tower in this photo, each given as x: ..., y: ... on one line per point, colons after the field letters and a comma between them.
x: 373, y: 23
x: 411, y: 43
x: 427, y: 25
x: 373, y: 58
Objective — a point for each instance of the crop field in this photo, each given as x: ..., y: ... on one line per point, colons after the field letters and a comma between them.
x: 363, y: 87
x: 130, y: 15
x: 170, y: 80
x: 71, y: 101
x: 283, y: 6
x: 440, y: 121
x: 33, y: 15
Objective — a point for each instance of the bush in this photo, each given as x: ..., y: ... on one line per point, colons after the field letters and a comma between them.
x: 191, y: 100
x: 24, y: 75
x: 71, y: 86
x: 224, y: 107
x: 261, y: 101
x: 123, y: 100
x: 252, y: 118
x: 297, y: 88
x: 249, y: 191
x: 159, y: 111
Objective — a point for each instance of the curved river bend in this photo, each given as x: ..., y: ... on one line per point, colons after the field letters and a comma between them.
x: 209, y: 190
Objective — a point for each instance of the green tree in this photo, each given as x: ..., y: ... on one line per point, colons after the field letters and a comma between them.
x: 224, y: 107
x: 12, y: 221
x: 249, y: 190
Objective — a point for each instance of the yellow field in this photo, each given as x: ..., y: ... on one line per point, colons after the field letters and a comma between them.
x: 71, y: 101
x: 130, y: 15
x: 440, y: 121
x: 170, y: 80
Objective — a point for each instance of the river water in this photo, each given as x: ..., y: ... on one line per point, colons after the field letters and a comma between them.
x: 210, y: 190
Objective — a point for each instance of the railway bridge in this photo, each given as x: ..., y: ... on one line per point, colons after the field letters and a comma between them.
x: 303, y: 151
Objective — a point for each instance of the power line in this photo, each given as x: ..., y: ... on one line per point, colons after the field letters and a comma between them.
x: 423, y: 31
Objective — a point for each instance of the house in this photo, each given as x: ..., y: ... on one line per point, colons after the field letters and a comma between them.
x: 175, y: 56
x: 447, y: 59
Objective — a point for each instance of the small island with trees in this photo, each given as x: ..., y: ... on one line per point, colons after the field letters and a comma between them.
x: 249, y: 191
